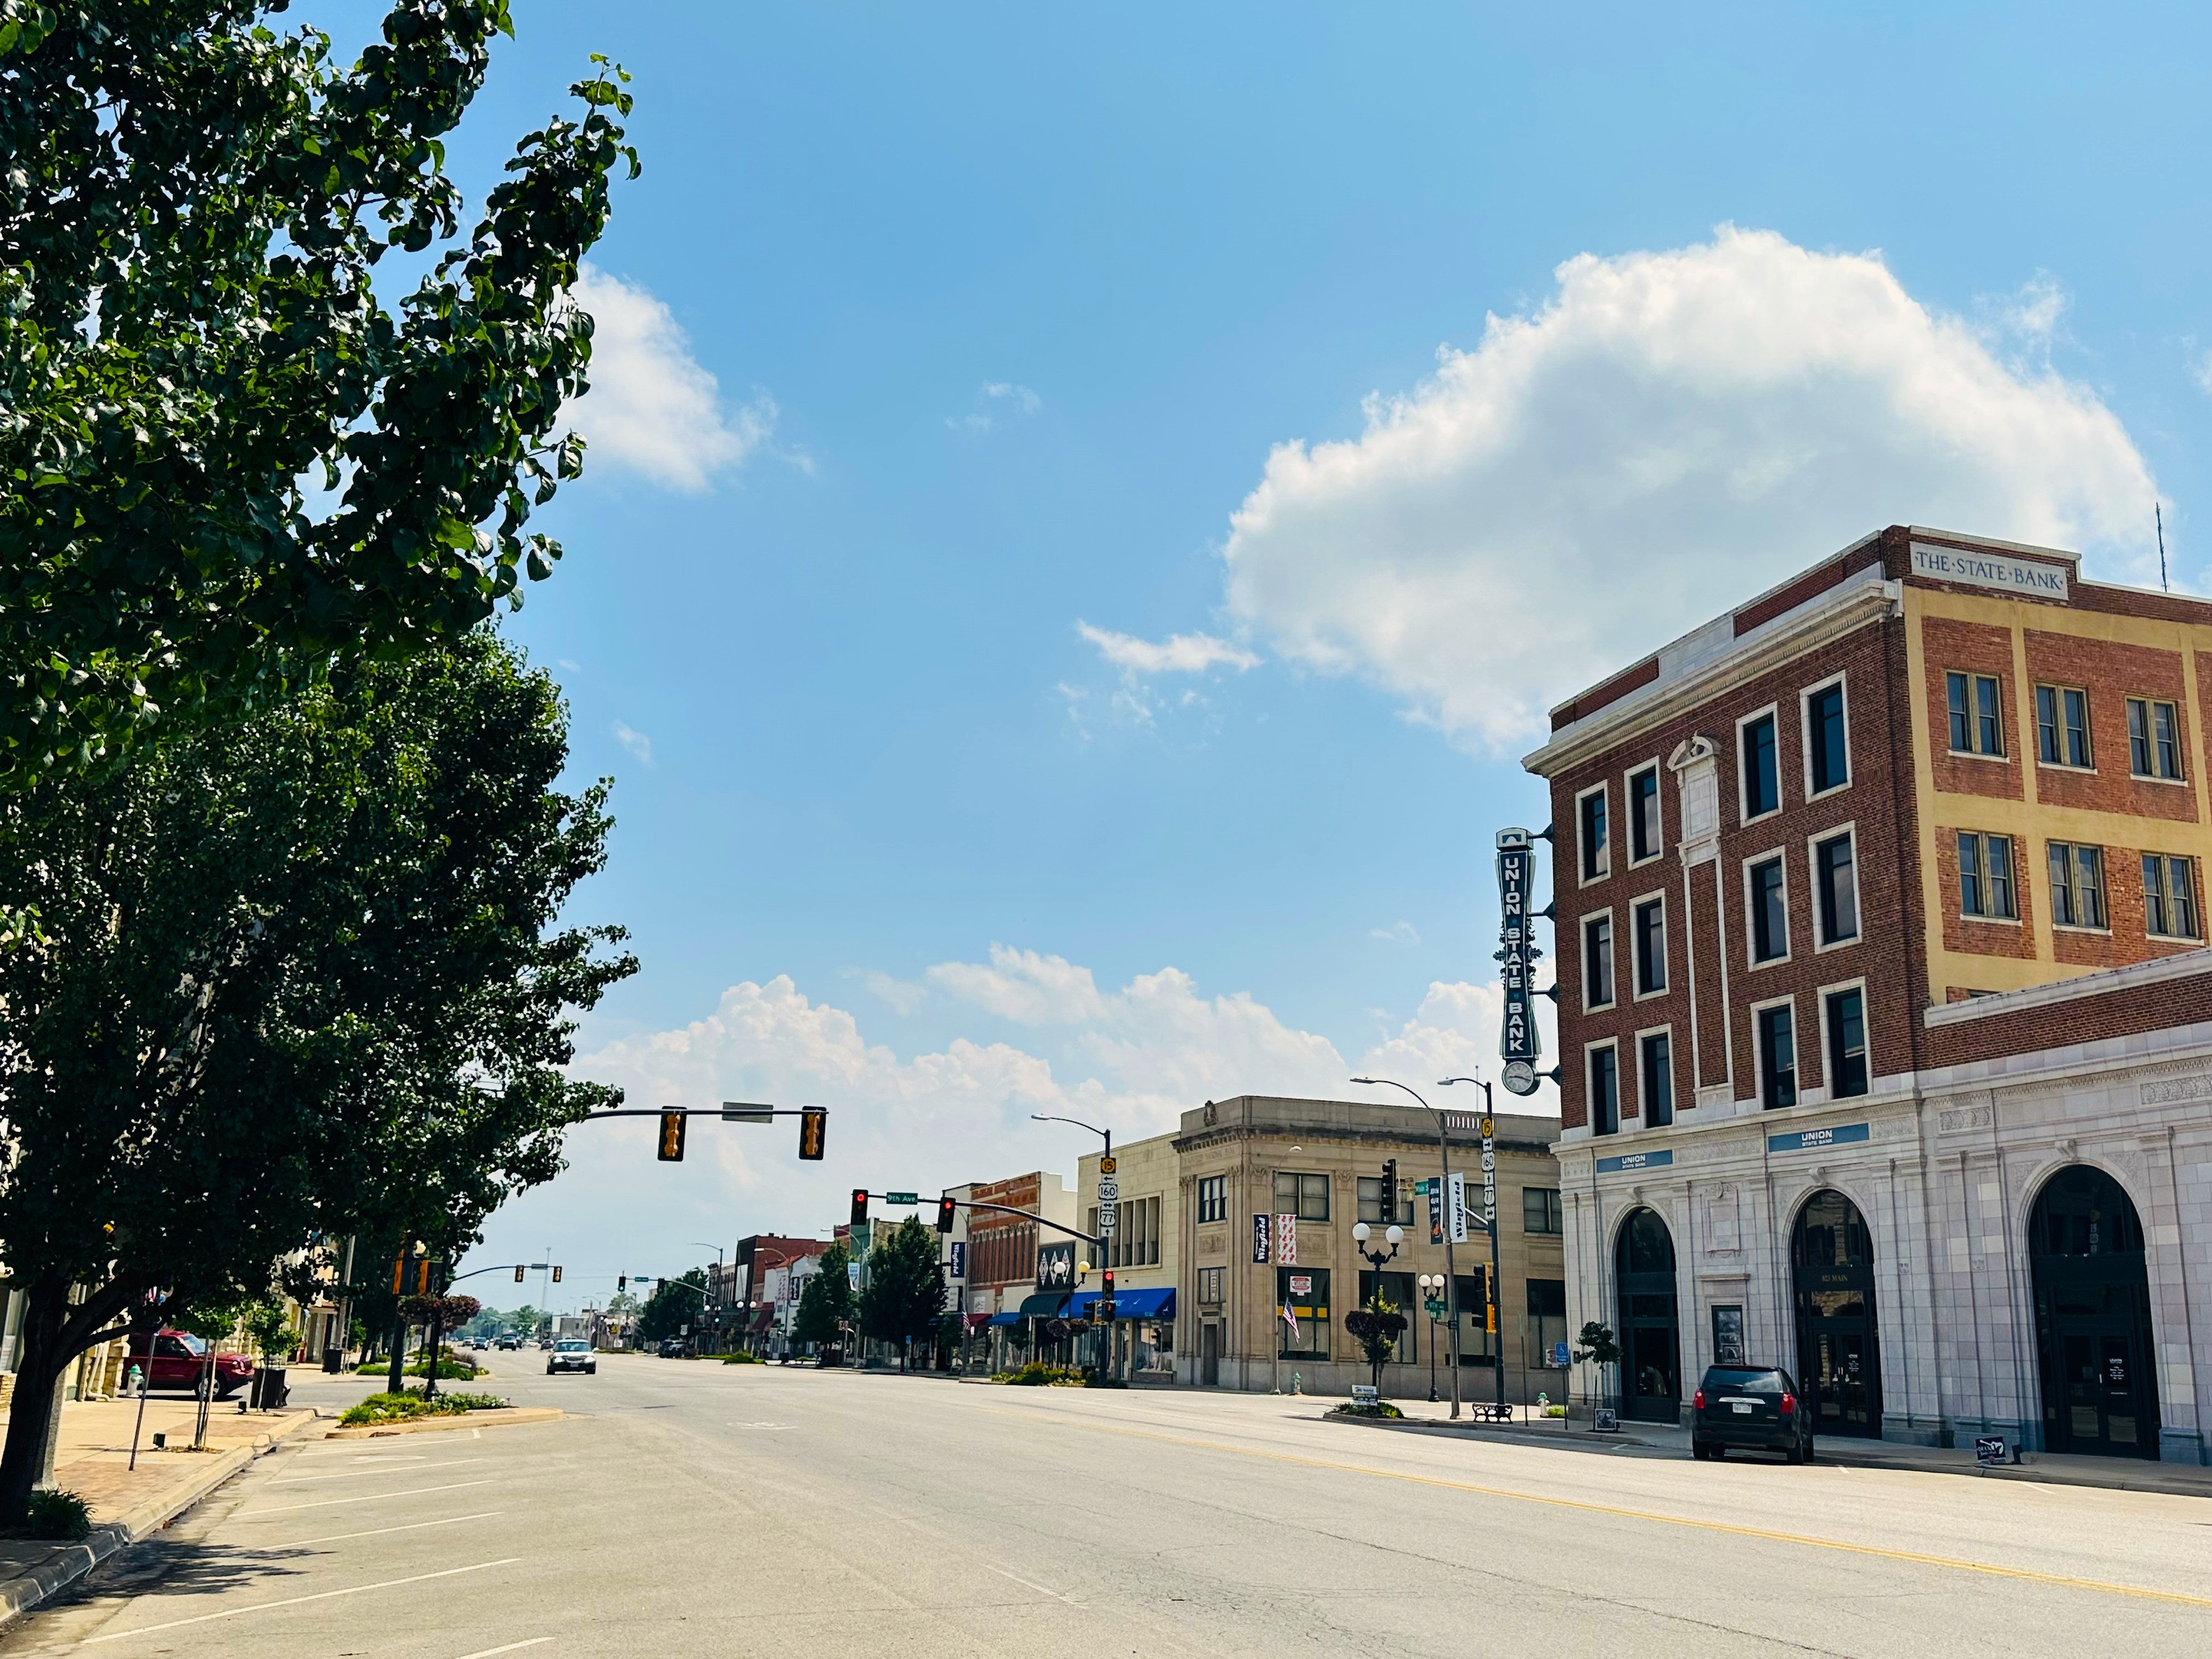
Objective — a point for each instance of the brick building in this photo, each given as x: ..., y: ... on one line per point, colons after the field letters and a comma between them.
x: 1880, y: 930
x: 1002, y: 1258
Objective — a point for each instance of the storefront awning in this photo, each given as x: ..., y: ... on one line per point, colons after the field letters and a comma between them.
x: 1157, y: 1303
x: 1045, y: 1304
x: 1004, y: 1319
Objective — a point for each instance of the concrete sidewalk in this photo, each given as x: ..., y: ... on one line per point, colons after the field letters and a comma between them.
x: 94, y: 1461
x: 1663, y: 1439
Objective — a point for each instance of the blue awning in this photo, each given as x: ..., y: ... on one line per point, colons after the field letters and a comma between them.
x: 1004, y: 1319
x: 1158, y: 1303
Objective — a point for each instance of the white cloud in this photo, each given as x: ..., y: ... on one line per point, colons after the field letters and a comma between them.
x: 1179, y: 653
x: 995, y: 393
x: 1020, y: 396
x: 1398, y: 932
x: 1670, y: 434
x: 652, y: 407
x: 639, y: 744
x: 2202, y: 371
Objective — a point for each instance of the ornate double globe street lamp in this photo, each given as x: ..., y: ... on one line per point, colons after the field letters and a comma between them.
x: 1433, y: 1298
x: 1371, y: 1322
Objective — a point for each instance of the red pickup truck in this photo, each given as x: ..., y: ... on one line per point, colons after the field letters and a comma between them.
x: 180, y: 1361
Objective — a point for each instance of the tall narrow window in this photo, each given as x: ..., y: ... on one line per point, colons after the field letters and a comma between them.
x: 2062, y: 726
x: 1762, y: 781
x: 1770, y: 925
x: 1847, y: 1057
x: 1827, y: 754
x: 1834, y: 870
x: 1657, y: 1077
x: 1977, y: 725
x: 1643, y: 841
x: 1605, y: 1090
x: 2078, y: 885
x: 1985, y: 877
x: 1597, y: 854
x: 1597, y: 961
x: 1651, y: 927
x: 1777, y: 1057
x: 2169, y: 897
x: 2154, y: 739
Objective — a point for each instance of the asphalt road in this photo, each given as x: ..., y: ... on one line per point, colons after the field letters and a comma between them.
x: 695, y: 1509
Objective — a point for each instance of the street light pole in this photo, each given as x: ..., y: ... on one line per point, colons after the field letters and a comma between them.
x: 1497, y: 1276
x: 1106, y: 1365
x: 702, y: 1245
x: 1431, y: 1284
x: 1451, y: 1272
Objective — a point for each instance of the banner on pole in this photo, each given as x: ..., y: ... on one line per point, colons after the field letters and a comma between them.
x: 1286, y: 1241
x: 1457, y: 1199
x: 1263, y: 1248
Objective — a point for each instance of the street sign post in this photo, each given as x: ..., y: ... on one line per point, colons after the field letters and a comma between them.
x: 1110, y: 1203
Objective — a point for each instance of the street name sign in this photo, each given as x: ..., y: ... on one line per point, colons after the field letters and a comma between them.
x: 901, y: 1198
x: 746, y: 1111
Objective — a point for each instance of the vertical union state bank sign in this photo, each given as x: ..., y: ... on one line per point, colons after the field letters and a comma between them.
x: 1518, y: 1043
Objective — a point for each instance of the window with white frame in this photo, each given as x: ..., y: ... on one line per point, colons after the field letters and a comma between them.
x: 2154, y: 738
x: 2061, y: 726
x: 1648, y: 925
x: 1305, y: 1196
x: 1597, y: 961
x: 1655, y: 1055
x: 1604, y: 1062
x: 1213, y: 1198
x: 1836, y: 889
x: 1644, y: 840
x: 2169, y: 896
x: 1976, y: 710
x: 1985, y: 878
x: 1595, y: 834
x: 1778, y: 1056
x: 1760, y: 769
x: 2078, y: 885
x: 1769, y: 918
x: 1828, y: 740
x: 1847, y: 1046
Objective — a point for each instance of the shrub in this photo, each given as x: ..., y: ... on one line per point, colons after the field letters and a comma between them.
x: 741, y: 1358
x: 401, y: 1408
x: 1038, y: 1375
x: 1378, y: 1408
x: 58, y: 1514
x: 449, y: 1369
x: 1555, y: 1411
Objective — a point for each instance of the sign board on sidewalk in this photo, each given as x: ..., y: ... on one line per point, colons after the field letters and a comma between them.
x: 1989, y: 1448
x: 1559, y: 1354
x: 1364, y: 1394
x: 1605, y: 1421
x: 1263, y: 1248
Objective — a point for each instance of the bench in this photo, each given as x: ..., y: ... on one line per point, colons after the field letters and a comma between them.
x: 1487, y: 1411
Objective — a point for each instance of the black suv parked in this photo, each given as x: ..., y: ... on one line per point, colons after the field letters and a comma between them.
x: 1759, y: 1410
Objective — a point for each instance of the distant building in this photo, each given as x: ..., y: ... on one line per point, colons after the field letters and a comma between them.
x: 1006, y: 1255
x: 1885, y: 1032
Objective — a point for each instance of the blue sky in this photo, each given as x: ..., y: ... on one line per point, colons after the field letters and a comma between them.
x: 1005, y: 311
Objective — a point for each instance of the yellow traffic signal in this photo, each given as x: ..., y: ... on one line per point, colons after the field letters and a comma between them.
x: 672, y: 1136
x: 398, y: 1275
x: 518, y: 1273
x: 556, y: 1275
x: 813, y: 1131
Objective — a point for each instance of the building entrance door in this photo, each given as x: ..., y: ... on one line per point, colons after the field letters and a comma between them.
x: 1209, y: 1356
x: 1838, y: 1349
x: 1651, y: 1340
x: 2093, y: 1317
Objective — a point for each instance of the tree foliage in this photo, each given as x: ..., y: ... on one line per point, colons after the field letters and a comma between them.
x: 300, y: 978
x: 1376, y: 1327
x: 905, y: 1291
x: 672, y: 1306
x: 825, y: 1299
x: 192, y: 206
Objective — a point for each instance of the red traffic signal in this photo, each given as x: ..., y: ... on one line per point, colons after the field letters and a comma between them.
x: 945, y: 1209
x: 859, y: 1206
x: 813, y: 1132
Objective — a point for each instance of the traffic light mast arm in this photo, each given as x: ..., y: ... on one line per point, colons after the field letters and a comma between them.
x: 1030, y: 1215
x: 503, y: 1267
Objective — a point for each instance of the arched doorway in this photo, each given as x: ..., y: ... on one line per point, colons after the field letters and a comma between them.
x: 2093, y: 1317
x: 1651, y: 1344
x: 1838, y: 1346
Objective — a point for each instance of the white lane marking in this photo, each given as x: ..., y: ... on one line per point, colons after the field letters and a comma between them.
x: 373, y: 1498
x: 377, y: 1531
x: 1039, y: 1589
x: 295, y: 1601
x: 486, y: 1653
x: 369, y: 1474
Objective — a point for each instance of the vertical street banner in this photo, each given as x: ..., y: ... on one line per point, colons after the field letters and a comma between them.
x: 1490, y: 1172
x: 959, y: 1260
x: 1263, y: 1248
x: 1457, y: 1208
x: 1286, y: 1241
x: 1518, y: 1044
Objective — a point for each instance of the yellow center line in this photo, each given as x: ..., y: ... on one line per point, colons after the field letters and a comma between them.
x: 1987, y: 1567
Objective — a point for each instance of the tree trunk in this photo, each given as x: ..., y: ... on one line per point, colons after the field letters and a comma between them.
x: 54, y: 1333
x: 399, y: 1380
x: 437, y: 1335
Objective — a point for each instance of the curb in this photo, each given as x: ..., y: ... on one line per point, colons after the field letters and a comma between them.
x: 27, y: 1589
x: 504, y: 1417
x: 1500, y: 1435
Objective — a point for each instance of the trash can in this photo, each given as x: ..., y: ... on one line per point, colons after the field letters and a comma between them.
x: 334, y: 1360
x: 269, y: 1392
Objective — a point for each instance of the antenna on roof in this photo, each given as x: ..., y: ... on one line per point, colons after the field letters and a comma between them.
x: 2158, y: 518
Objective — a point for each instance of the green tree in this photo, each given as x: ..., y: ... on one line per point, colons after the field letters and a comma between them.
x: 826, y: 1301
x: 526, y: 1320
x: 905, y: 1292
x: 300, y: 978
x: 1376, y: 1327
x: 192, y: 206
x: 673, y: 1305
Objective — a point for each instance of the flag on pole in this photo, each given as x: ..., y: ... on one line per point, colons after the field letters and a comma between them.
x: 1290, y: 1319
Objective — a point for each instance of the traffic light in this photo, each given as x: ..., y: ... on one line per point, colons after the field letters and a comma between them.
x: 1106, y: 1296
x: 813, y: 1131
x: 622, y: 1281
x: 556, y: 1275
x: 945, y: 1208
x: 422, y: 1277
x: 1389, y: 1191
x: 519, y: 1271
x: 859, y: 1206
x: 399, y: 1275
x: 672, y: 1136
x: 1489, y: 1299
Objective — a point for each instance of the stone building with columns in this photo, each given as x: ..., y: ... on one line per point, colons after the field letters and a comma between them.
x: 1885, y: 1014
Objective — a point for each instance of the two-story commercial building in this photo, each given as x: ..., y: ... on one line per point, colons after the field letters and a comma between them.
x: 1883, y: 1001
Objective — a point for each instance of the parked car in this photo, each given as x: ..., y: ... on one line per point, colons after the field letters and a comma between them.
x: 1751, y: 1407
x: 573, y: 1355
x: 180, y: 1361
x: 672, y: 1348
